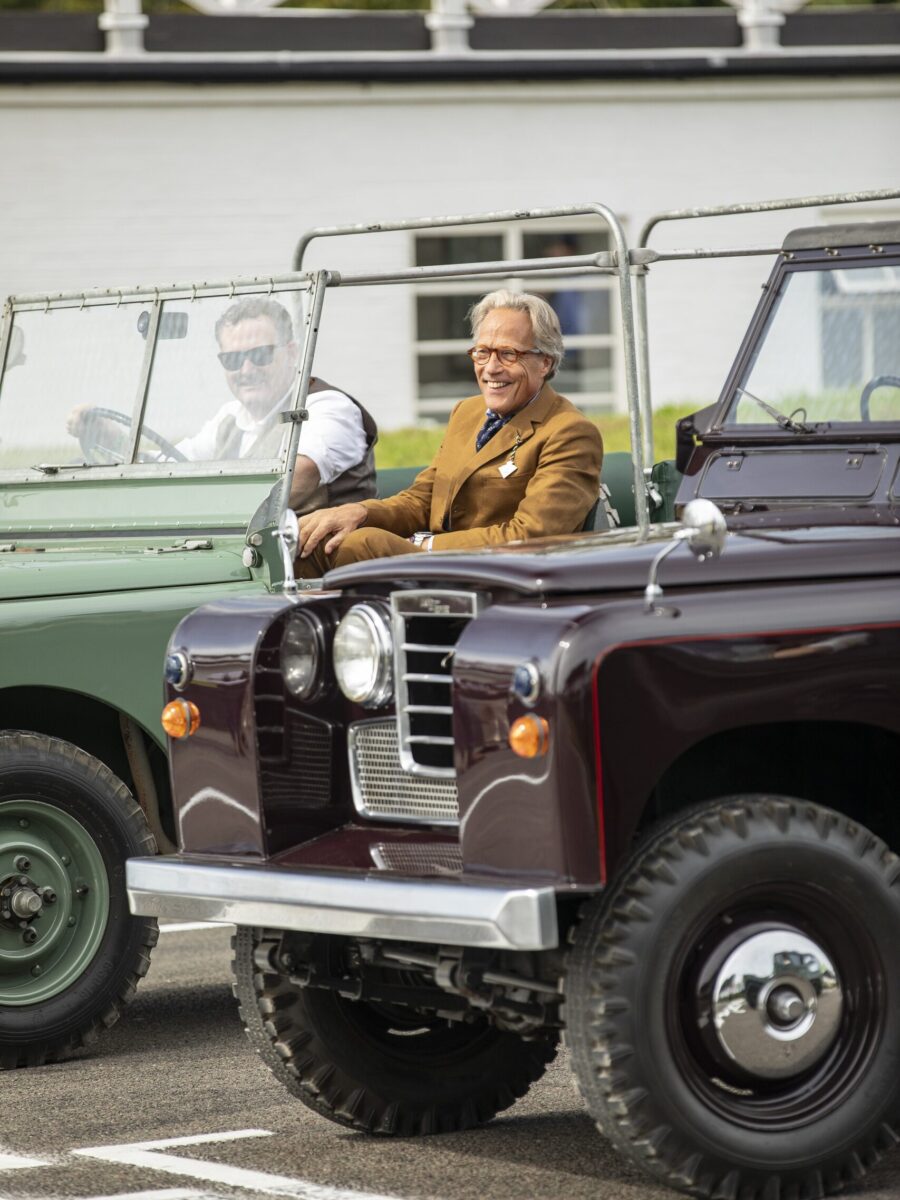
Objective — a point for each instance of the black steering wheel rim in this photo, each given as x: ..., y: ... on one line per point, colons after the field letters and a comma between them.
x: 874, y: 383
x: 90, y: 444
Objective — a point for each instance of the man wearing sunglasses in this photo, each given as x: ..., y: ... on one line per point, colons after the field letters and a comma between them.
x: 517, y: 461
x: 258, y: 355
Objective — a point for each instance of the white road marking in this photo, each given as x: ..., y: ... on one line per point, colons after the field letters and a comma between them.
x: 148, y: 1156
x: 19, y: 1162
x: 190, y: 926
x: 159, y: 1194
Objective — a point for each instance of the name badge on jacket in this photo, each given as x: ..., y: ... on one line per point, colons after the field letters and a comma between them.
x: 507, y: 469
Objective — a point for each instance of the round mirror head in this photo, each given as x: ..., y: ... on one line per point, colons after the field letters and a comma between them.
x: 704, y: 528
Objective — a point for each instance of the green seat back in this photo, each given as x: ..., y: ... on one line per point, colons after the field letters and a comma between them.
x: 665, y: 479
x: 391, y: 480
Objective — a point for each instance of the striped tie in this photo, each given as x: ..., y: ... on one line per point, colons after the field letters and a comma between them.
x: 493, y: 422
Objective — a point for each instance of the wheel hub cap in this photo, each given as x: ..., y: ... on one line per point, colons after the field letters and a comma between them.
x: 776, y: 1004
x: 54, y: 900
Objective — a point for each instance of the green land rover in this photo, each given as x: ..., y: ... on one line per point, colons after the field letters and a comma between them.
x: 111, y: 532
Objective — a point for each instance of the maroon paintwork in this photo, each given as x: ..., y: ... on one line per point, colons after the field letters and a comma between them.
x: 750, y: 640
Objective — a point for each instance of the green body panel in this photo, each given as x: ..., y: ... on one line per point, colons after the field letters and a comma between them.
x: 169, y: 500
x: 108, y: 646
x: 62, y: 570
x: 95, y: 573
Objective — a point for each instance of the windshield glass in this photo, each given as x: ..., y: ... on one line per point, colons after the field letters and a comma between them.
x: 212, y: 376
x: 830, y: 351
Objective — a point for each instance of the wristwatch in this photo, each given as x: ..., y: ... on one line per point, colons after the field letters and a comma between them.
x: 422, y: 539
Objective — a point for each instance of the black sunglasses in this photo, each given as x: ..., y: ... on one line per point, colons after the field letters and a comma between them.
x: 260, y: 356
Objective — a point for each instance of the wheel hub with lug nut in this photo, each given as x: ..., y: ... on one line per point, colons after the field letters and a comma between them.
x: 777, y: 1004
x: 54, y: 895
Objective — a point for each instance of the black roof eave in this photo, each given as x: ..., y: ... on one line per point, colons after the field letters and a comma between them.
x: 434, y: 68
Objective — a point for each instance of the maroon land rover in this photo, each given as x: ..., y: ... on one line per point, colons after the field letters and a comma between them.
x: 636, y: 787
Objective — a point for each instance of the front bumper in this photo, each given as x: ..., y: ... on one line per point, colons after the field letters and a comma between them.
x: 449, y: 913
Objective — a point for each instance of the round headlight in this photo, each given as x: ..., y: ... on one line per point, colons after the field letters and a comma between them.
x: 363, y: 656
x: 301, y: 654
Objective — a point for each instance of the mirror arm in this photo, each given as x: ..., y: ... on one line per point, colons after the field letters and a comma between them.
x: 653, y: 592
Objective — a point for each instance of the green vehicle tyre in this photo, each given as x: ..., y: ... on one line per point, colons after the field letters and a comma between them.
x: 71, y: 954
x: 381, y: 1068
x: 733, y: 1004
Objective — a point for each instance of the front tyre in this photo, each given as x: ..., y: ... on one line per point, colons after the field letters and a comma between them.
x: 71, y: 954
x: 733, y: 1005
x: 384, y: 1069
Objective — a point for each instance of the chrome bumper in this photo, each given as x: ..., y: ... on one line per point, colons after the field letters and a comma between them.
x: 456, y: 914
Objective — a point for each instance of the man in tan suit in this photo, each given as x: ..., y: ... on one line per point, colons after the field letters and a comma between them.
x: 526, y: 468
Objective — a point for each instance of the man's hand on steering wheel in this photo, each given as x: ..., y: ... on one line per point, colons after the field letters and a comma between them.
x: 104, y: 435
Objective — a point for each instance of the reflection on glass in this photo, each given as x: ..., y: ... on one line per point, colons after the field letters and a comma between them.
x: 63, y: 369
x: 831, y: 350
x: 218, y: 392
x: 222, y: 373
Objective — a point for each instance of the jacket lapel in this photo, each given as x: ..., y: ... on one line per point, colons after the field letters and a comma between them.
x: 516, y: 431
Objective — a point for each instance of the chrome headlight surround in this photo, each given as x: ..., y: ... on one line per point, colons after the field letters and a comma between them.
x: 363, y: 655
x: 302, y: 654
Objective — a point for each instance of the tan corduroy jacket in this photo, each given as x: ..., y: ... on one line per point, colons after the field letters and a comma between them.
x: 463, y: 498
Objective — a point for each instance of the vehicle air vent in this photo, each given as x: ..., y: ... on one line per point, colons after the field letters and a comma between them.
x: 295, y: 749
x: 381, y: 790
x: 427, y: 626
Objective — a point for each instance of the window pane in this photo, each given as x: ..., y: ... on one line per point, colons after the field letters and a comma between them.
x: 63, y: 360
x: 828, y: 335
x: 553, y: 244
x: 446, y: 375
x: 462, y: 248
x: 214, y: 411
x: 585, y: 370
x: 841, y: 347
x: 441, y: 317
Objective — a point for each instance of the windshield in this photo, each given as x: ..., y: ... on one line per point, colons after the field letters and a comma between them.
x: 830, y: 351
x: 202, y: 380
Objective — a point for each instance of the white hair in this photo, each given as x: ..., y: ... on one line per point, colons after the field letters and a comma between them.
x: 544, y: 321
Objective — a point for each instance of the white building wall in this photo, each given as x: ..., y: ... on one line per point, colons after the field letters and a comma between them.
x: 122, y: 184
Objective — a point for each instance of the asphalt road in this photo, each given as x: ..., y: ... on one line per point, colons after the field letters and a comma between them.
x: 177, y: 1067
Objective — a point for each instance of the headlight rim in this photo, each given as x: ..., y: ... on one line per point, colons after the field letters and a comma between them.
x: 378, y: 621
x: 317, y: 684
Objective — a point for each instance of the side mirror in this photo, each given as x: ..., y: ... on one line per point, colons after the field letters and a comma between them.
x: 171, y: 325
x: 703, y: 527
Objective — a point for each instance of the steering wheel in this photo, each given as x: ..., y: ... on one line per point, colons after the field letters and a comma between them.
x: 877, y: 382
x: 95, y: 452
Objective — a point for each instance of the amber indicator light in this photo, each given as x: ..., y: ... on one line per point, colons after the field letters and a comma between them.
x: 181, y: 718
x: 529, y: 736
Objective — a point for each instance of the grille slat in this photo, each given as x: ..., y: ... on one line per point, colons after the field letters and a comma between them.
x: 382, y: 789
x: 427, y: 627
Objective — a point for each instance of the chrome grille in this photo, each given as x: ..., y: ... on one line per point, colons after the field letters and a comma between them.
x: 436, y: 858
x: 382, y: 789
x: 427, y: 626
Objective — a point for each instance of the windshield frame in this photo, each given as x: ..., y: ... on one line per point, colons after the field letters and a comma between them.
x: 791, y: 262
